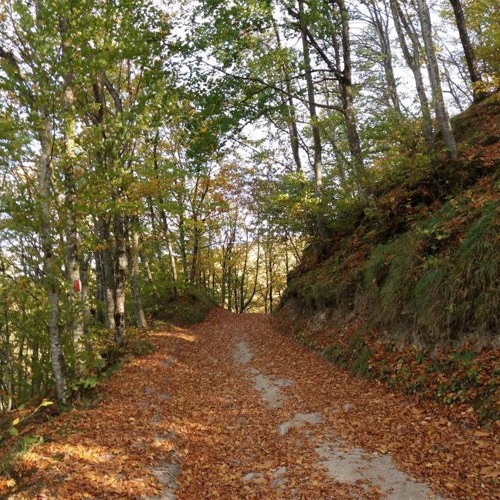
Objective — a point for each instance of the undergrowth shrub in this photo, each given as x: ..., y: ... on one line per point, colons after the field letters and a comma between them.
x: 191, y: 307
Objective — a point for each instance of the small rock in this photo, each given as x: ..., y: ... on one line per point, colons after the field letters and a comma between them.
x: 251, y: 477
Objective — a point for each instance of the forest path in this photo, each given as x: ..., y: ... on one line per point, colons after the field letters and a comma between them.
x: 230, y: 408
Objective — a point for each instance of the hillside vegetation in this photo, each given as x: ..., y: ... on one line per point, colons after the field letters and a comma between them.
x: 407, y: 287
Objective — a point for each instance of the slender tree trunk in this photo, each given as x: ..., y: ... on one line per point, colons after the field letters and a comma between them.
x: 100, y: 293
x: 435, y: 79
x: 379, y: 21
x: 341, y: 160
x: 317, y: 145
x: 149, y: 275
x: 108, y: 271
x: 182, y: 245
x: 84, y: 274
x: 413, y: 58
x: 171, y: 257
x: 249, y: 300
x: 230, y: 288
x: 348, y: 98
x: 154, y: 228
x: 72, y: 259
x: 293, y: 130
x: 470, y: 57
x: 120, y: 278
x: 135, y: 278
x: 164, y: 220
x: 7, y: 373
x: 35, y: 369
x: 21, y: 368
x: 196, y: 251
x: 50, y: 265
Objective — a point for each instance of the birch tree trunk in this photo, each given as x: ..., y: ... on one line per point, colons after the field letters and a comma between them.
x: 71, y: 230
x: 317, y: 146
x: 171, y: 256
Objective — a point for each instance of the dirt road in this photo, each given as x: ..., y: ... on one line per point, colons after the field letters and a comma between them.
x: 231, y: 408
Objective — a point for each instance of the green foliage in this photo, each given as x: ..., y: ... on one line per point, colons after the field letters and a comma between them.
x: 361, y: 366
x: 22, y: 446
x: 483, y: 18
x: 190, y: 308
x: 355, y: 355
x: 84, y: 384
x: 18, y: 444
x: 335, y: 353
x: 389, y: 273
x: 287, y: 202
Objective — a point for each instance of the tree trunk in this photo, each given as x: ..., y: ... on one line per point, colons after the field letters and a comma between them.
x: 195, y: 256
x: 164, y: 220
x: 293, y: 130
x: 348, y: 99
x: 135, y: 282
x: 84, y: 273
x: 379, y: 21
x: 171, y: 257
x: 470, y: 57
x: 435, y: 79
x: 120, y: 278
x: 6, y: 370
x: 108, y: 271
x: 413, y: 59
x: 182, y: 245
x: 71, y: 230
x: 317, y: 146
x: 35, y: 369
x: 50, y: 265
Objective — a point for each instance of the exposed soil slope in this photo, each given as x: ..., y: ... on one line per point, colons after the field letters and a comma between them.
x: 231, y: 408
